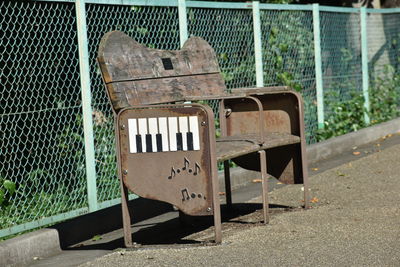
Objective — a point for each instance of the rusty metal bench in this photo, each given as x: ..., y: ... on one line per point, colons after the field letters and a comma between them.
x: 166, y: 145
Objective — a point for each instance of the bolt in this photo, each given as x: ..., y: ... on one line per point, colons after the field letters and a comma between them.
x: 123, y: 127
x: 203, y: 123
x: 208, y: 209
x: 125, y: 172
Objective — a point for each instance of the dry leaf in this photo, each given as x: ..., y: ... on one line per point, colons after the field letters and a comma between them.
x: 257, y: 180
x: 314, y: 200
x: 356, y: 153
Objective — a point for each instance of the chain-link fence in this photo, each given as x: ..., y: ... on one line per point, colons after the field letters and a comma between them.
x: 43, y: 168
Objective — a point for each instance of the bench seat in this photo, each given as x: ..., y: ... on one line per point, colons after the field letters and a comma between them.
x: 230, y: 147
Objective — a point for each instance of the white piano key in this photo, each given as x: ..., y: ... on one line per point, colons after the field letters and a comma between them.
x: 153, y: 130
x: 172, y: 129
x: 163, y: 130
x: 143, y: 132
x: 194, y: 128
x: 183, y: 128
x: 132, y: 131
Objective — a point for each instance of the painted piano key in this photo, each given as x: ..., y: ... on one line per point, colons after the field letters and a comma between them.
x: 194, y: 129
x: 132, y: 131
x: 164, y: 134
x: 142, y: 125
x: 153, y: 131
x: 183, y: 129
x: 163, y: 130
x: 173, y: 130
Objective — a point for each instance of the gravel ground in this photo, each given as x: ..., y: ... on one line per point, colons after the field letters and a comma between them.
x: 354, y: 221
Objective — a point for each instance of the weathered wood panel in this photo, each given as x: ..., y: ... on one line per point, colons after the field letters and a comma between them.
x: 171, y: 89
x: 135, y: 74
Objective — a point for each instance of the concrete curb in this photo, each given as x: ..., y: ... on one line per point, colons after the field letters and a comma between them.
x: 337, y: 145
x: 46, y: 242
x: 23, y: 249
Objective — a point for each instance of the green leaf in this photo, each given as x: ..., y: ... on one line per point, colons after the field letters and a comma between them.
x: 297, y: 87
x: 10, y: 186
x: 1, y: 197
x: 97, y: 238
x: 274, y: 31
x: 283, y: 48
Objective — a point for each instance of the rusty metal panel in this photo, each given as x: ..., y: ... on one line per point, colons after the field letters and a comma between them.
x: 283, y: 131
x: 165, y: 155
x: 281, y: 114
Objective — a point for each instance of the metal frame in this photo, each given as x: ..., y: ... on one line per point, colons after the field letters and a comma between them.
x: 125, y: 176
x: 251, y: 94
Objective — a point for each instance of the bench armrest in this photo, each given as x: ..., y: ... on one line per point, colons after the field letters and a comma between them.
x: 260, y: 90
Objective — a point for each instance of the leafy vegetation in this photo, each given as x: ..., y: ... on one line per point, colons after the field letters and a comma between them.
x: 7, y: 190
x: 348, y: 115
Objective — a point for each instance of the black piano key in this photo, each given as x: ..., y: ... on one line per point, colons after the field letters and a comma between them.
x: 179, y: 141
x: 189, y: 138
x: 139, y: 143
x: 149, y: 144
x: 159, y: 142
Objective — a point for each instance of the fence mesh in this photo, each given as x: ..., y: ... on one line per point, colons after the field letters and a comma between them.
x: 288, y: 58
x: 42, y: 144
x: 156, y: 27
x: 384, y: 65
x: 342, y: 73
x: 40, y: 112
x: 341, y: 56
x: 230, y: 33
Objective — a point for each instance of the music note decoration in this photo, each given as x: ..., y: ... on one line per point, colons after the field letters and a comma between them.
x: 186, y: 167
x: 186, y: 196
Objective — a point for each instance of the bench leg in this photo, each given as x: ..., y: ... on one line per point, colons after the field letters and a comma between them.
x: 264, y: 177
x: 126, y: 218
x: 216, y: 206
x: 228, y: 190
x: 217, y: 219
x: 306, y: 194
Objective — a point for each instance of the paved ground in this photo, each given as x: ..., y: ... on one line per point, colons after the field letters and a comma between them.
x: 354, y: 221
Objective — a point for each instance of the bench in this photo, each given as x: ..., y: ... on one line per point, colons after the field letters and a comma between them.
x: 165, y: 133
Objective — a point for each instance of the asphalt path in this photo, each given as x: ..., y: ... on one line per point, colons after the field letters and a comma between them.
x: 354, y: 221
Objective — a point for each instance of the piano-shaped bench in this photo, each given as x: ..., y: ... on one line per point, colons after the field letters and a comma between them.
x: 166, y: 145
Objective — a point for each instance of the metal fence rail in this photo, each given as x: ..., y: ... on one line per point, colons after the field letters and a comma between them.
x: 57, y: 136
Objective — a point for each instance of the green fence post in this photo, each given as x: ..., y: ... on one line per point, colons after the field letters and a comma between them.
x: 257, y: 44
x: 318, y: 67
x: 364, y: 62
x: 86, y: 104
x: 183, y: 29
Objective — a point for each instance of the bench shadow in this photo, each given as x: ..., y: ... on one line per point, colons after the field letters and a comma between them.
x: 176, y: 230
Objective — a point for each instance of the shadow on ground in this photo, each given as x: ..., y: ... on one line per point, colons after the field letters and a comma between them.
x: 185, y: 229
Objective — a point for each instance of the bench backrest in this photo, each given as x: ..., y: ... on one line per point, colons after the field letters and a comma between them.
x: 137, y: 75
